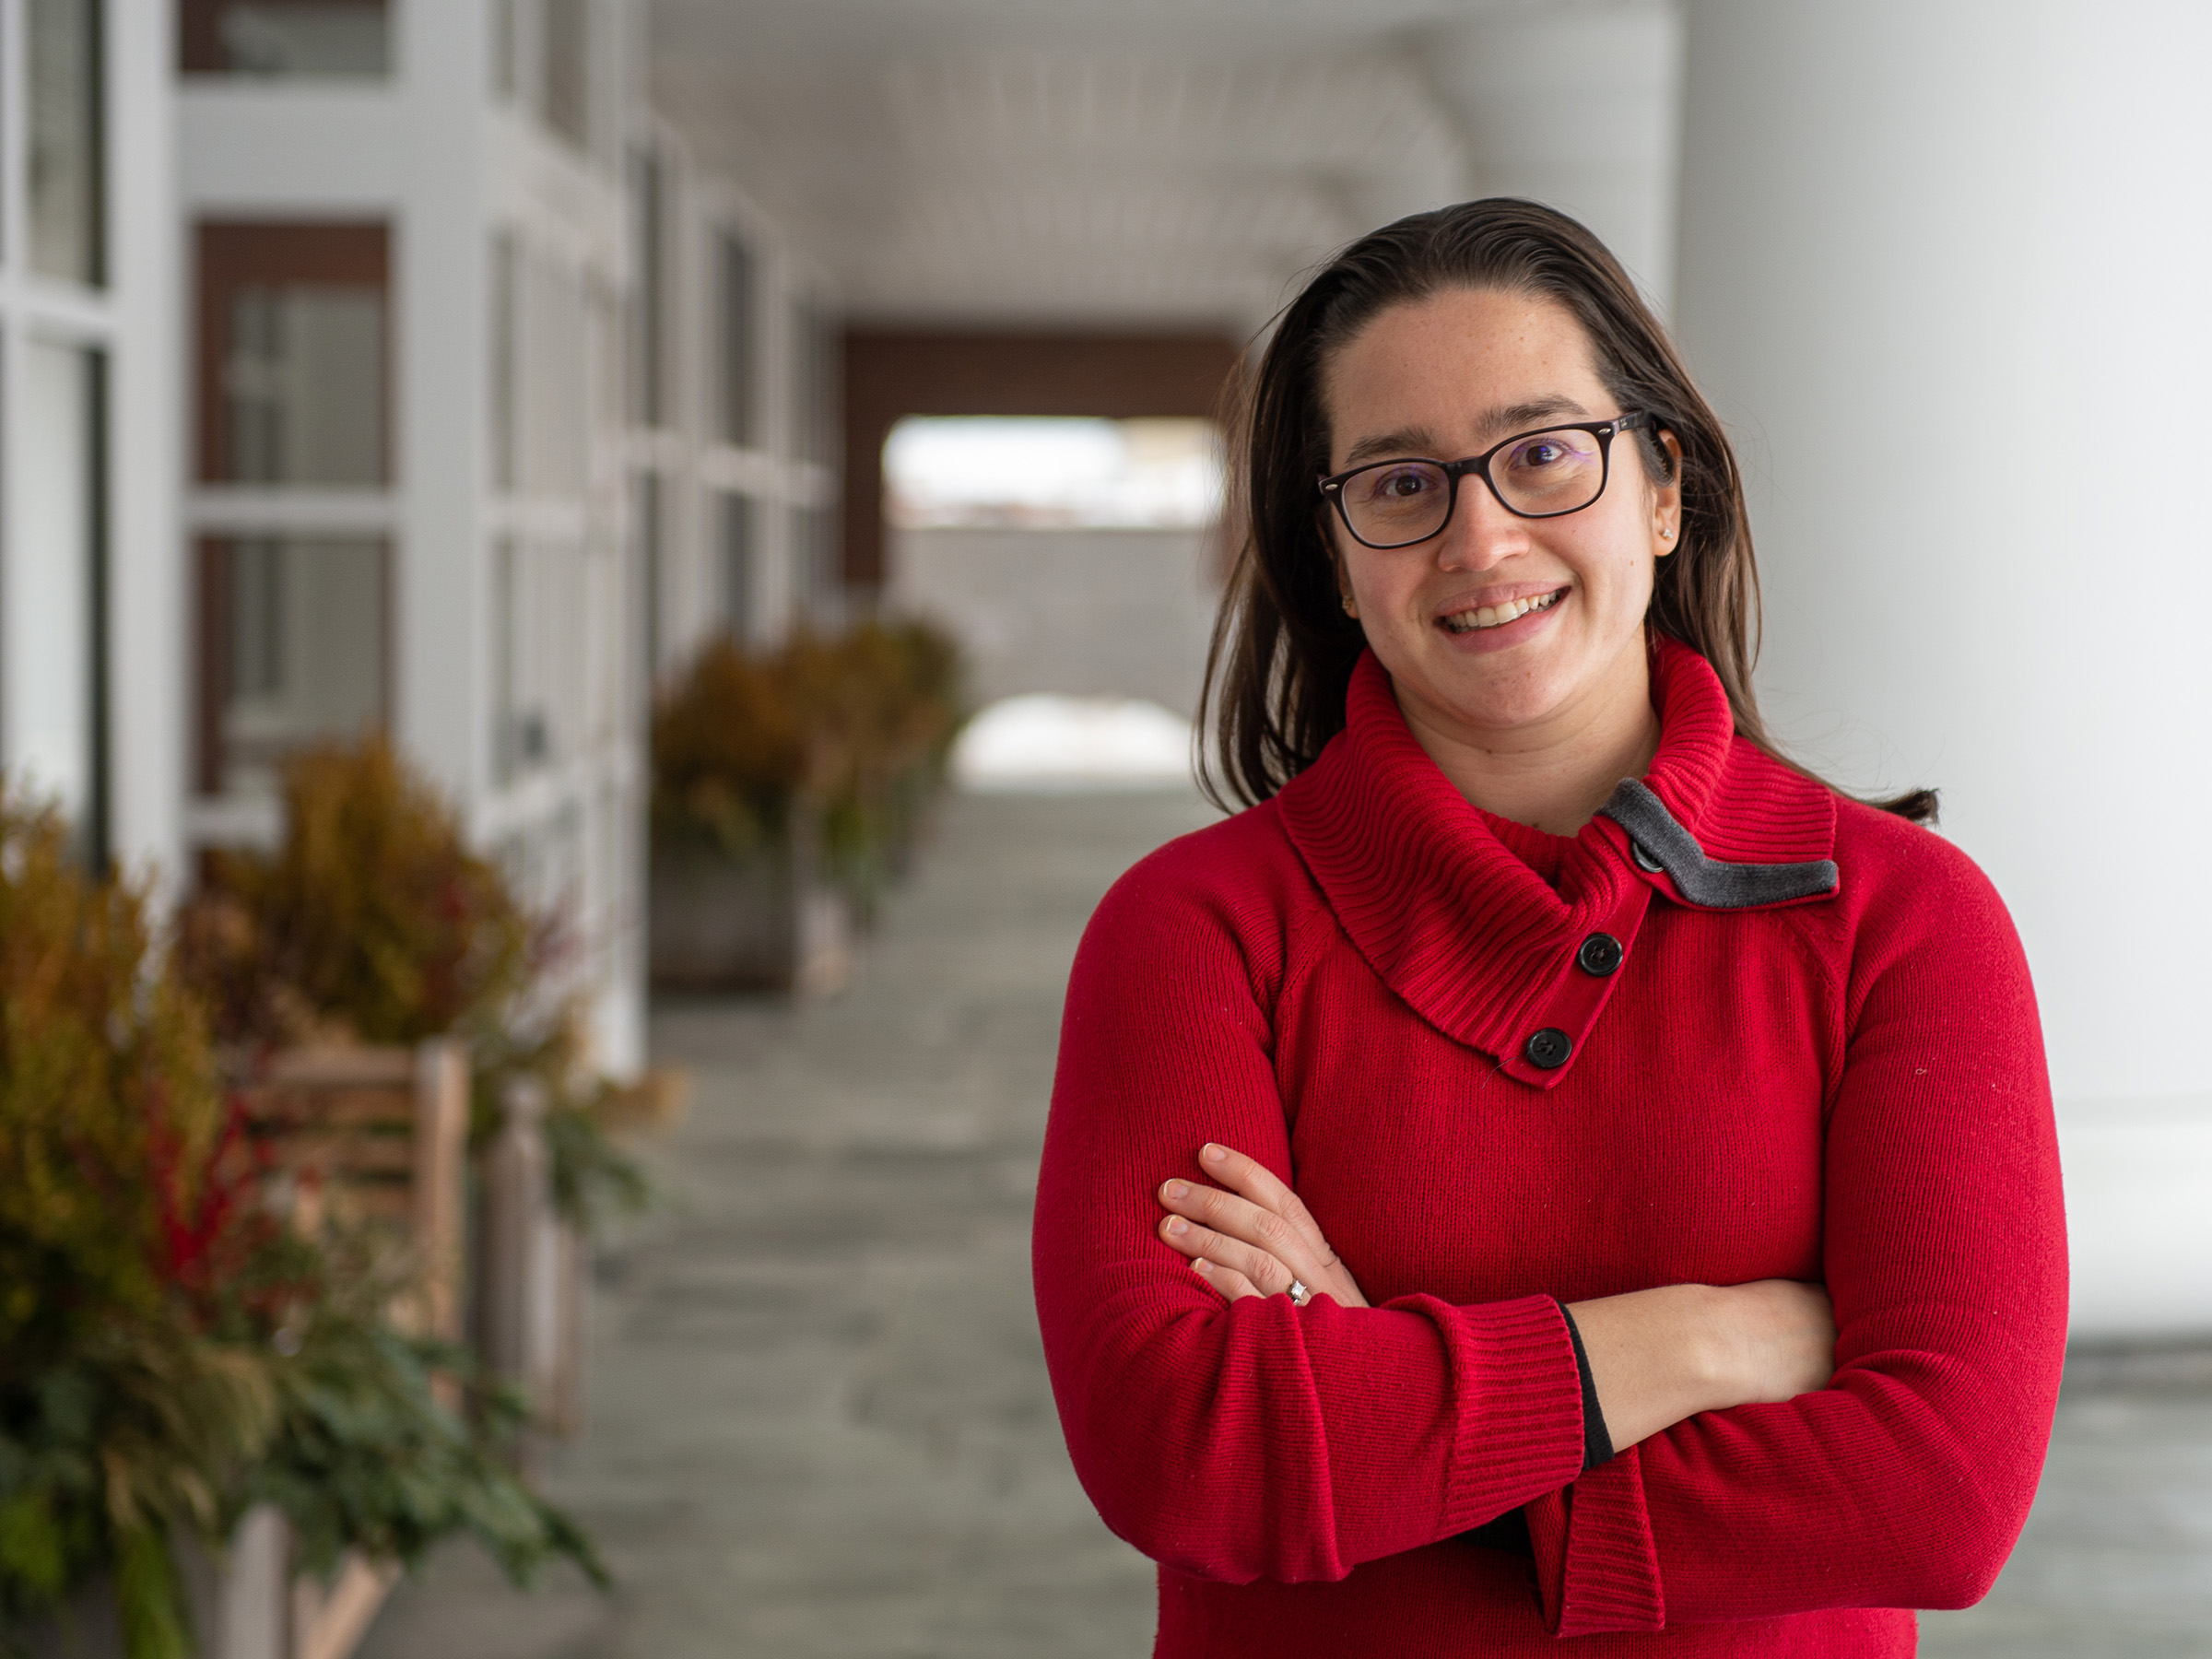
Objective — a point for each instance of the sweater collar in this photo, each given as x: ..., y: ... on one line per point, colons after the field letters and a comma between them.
x: 1479, y: 942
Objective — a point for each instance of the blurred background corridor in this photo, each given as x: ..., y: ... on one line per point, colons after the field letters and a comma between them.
x: 753, y: 469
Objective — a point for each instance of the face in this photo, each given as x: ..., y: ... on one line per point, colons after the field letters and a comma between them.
x: 1500, y: 627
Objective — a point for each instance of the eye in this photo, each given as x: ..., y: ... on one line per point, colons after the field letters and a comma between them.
x: 1390, y: 483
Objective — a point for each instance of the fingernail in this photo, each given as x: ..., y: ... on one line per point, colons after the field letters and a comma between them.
x: 1177, y: 1227
x: 1200, y: 1264
x: 1176, y: 1189
x: 1215, y: 1153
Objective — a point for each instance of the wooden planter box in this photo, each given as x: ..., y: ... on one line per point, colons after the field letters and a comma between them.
x: 376, y: 1135
x: 763, y: 922
x: 248, y: 1604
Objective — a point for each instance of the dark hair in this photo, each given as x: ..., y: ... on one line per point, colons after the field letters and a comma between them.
x: 1283, y: 649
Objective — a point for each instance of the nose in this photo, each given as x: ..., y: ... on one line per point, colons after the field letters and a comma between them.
x: 1482, y: 534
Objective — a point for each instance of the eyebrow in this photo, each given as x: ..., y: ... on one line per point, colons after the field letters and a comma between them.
x: 1505, y: 417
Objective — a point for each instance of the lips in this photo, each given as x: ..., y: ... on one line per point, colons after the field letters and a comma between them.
x: 1497, y: 615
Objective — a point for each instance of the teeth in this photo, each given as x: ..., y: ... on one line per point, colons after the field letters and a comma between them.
x: 1492, y: 615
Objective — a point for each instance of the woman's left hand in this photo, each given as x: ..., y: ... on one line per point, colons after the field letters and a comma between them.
x: 1256, y: 1239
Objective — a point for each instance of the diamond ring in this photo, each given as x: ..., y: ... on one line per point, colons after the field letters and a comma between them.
x: 1299, y: 1294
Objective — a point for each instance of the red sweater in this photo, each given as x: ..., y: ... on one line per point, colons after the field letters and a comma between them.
x: 1817, y: 1070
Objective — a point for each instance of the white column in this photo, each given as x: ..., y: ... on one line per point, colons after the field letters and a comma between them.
x: 148, y: 612
x: 440, y: 257
x: 1575, y: 107
x: 1942, y: 265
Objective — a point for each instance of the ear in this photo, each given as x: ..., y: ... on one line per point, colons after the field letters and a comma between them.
x: 1667, y: 501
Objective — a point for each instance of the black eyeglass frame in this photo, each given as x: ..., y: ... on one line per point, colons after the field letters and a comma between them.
x: 1604, y: 431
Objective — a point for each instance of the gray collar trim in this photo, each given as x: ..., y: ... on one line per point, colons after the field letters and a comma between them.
x: 1658, y: 841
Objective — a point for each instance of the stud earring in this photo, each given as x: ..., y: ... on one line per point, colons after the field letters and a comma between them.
x: 1349, y: 608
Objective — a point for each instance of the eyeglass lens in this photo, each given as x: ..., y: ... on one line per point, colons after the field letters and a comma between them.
x: 1544, y: 473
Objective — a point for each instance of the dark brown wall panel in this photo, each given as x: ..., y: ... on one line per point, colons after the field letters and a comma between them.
x: 889, y: 375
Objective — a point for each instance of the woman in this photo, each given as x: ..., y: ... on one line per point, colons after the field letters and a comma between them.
x: 1454, y: 1157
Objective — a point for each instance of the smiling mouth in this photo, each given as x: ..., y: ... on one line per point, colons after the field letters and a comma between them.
x: 1498, y: 616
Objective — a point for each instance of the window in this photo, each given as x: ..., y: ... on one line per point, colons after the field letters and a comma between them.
x: 647, y: 348
x: 814, y: 341
x: 506, y: 50
x: 737, y: 285
x: 552, y: 365
x: 293, y: 355
x: 285, y: 38
x: 567, y: 83
x: 737, y: 515
x: 504, y: 393
x: 292, y: 651
x: 650, y: 578
x: 52, y: 609
x: 540, y: 655
x: 818, y: 558
x: 66, y: 198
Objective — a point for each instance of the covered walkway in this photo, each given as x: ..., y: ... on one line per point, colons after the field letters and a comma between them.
x: 820, y: 1423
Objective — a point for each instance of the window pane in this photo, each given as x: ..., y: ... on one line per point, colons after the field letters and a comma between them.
x: 294, y: 347
x: 305, y: 384
x: 738, y: 567
x: 650, y: 576
x: 552, y: 377
x: 505, y: 67
x: 818, y: 558
x: 737, y: 287
x: 646, y: 345
x: 283, y: 38
x: 540, y: 655
x: 816, y: 343
x: 293, y: 650
x: 504, y: 365
x: 50, y: 652
x: 65, y: 195
x: 567, y: 69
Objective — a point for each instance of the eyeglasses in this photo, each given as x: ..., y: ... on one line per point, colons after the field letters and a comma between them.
x: 1540, y: 475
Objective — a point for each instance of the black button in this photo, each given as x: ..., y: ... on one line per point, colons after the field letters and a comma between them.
x: 1599, y: 956
x: 1549, y: 1048
x: 1645, y: 860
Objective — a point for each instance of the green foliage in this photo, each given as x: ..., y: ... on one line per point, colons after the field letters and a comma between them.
x: 169, y: 1349
x: 853, y: 730
x: 366, y: 1457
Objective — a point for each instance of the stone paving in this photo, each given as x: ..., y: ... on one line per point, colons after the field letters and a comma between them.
x: 819, y: 1423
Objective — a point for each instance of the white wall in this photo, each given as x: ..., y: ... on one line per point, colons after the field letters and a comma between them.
x: 1943, y: 267
x: 1090, y: 613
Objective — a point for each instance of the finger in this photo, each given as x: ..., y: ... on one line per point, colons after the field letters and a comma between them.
x: 1227, y: 1280
x: 1266, y: 1274
x: 1257, y: 1181
x: 1239, y: 1219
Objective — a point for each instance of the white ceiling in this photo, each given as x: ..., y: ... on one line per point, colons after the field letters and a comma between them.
x: 1102, y: 162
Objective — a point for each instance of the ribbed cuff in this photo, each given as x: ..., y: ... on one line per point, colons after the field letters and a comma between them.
x: 1519, y: 1398
x: 1597, y: 1567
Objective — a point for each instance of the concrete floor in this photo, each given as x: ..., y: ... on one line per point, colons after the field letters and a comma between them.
x: 819, y: 1423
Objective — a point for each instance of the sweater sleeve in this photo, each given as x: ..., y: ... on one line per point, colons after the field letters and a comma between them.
x: 1904, y: 1482
x: 1254, y: 1439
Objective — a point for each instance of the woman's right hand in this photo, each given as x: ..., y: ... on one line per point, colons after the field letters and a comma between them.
x: 1657, y: 1357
